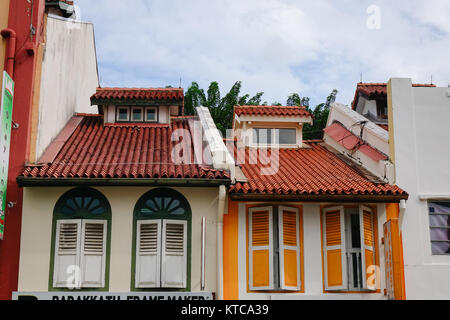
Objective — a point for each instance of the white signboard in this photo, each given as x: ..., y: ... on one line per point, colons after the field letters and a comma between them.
x: 92, y: 296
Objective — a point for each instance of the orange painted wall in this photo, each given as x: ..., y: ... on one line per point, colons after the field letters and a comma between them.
x: 230, y: 252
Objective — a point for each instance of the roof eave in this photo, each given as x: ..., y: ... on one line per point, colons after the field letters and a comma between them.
x: 136, y: 182
x: 378, y: 198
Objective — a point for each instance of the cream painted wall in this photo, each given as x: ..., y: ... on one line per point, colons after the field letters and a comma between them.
x: 313, y: 277
x: 38, y: 207
x: 69, y: 77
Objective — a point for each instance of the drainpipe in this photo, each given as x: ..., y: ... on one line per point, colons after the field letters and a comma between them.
x: 11, y: 50
x: 221, y: 206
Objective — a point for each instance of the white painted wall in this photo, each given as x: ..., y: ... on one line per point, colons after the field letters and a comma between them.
x: 38, y: 204
x: 422, y: 154
x: 69, y: 77
x: 313, y: 278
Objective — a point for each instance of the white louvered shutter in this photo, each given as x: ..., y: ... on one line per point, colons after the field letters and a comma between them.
x: 174, y: 254
x: 148, y: 254
x: 289, y: 248
x: 67, y: 252
x: 93, y: 253
x: 261, y: 248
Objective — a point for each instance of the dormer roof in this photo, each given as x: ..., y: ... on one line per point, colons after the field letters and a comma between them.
x: 126, y: 94
x: 285, y: 111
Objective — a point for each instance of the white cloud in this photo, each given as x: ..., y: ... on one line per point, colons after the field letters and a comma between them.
x: 274, y: 46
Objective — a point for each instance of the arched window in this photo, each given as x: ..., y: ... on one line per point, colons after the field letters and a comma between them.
x: 162, y: 240
x: 80, y: 241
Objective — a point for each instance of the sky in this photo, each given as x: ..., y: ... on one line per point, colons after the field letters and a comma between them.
x: 278, y: 47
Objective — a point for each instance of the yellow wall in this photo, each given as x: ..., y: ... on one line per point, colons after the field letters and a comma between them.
x: 4, y: 11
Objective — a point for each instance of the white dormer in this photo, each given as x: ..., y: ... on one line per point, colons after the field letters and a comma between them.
x: 270, y: 126
x: 139, y: 106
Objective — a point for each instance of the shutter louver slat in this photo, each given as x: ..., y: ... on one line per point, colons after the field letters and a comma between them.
x: 93, y: 241
x: 148, y: 242
x: 367, y: 248
x: 68, y: 238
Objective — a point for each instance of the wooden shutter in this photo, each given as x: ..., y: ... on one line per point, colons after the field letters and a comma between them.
x: 367, y: 247
x: 174, y: 254
x: 289, y: 248
x: 148, y: 254
x: 67, y: 253
x: 261, y: 248
x: 93, y: 253
x: 335, y: 262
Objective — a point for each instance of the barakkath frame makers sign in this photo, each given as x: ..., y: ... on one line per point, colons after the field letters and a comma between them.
x: 111, y: 296
x: 5, y: 138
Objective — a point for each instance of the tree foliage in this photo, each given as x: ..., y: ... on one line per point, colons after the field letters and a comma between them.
x: 221, y: 108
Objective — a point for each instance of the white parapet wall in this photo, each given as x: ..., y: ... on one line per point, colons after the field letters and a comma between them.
x: 69, y: 76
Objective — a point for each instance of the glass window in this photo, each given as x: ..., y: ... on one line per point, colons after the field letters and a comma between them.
x: 150, y: 114
x: 287, y: 136
x: 281, y: 136
x: 439, y: 212
x: 123, y: 114
x: 136, y: 114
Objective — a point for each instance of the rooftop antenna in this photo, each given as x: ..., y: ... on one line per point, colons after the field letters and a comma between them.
x: 180, y: 84
x: 431, y: 79
x: 360, y: 81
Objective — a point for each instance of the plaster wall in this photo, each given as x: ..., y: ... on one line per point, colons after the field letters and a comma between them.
x: 34, y: 269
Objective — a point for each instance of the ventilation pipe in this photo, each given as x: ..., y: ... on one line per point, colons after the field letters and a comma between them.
x: 10, y: 51
x: 221, y: 206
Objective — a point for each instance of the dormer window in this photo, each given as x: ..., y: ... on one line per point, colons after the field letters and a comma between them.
x: 139, y: 106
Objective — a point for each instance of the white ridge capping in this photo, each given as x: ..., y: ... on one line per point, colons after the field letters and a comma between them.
x: 221, y: 157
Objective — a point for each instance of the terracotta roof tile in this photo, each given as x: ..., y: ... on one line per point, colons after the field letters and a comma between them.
x: 97, y: 151
x: 287, y: 111
x: 139, y: 93
x: 311, y: 171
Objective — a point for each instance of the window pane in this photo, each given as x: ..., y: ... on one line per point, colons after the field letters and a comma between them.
x: 287, y: 136
x: 151, y: 114
x: 262, y: 136
x: 439, y: 220
x: 439, y: 207
x: 440, y: 234
x: 123, y: 114
x: 137, y: 114
x: 356, y: 236
x: 440, y: 247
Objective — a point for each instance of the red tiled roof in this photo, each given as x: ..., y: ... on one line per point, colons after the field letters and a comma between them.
x: 373, y: 89
x: 139, y: 93
x: 97, y: 151
x: 287, y: 111
x: 350, y: 141
x: 306, y: 171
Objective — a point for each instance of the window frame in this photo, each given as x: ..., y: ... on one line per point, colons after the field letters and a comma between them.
x: 156, y: 114
x: 142, y: 109
x: 118, y: 113
x: 430, y: 227
x: 58, y: 215
x: 274, y: 133
x: 138, y: 216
